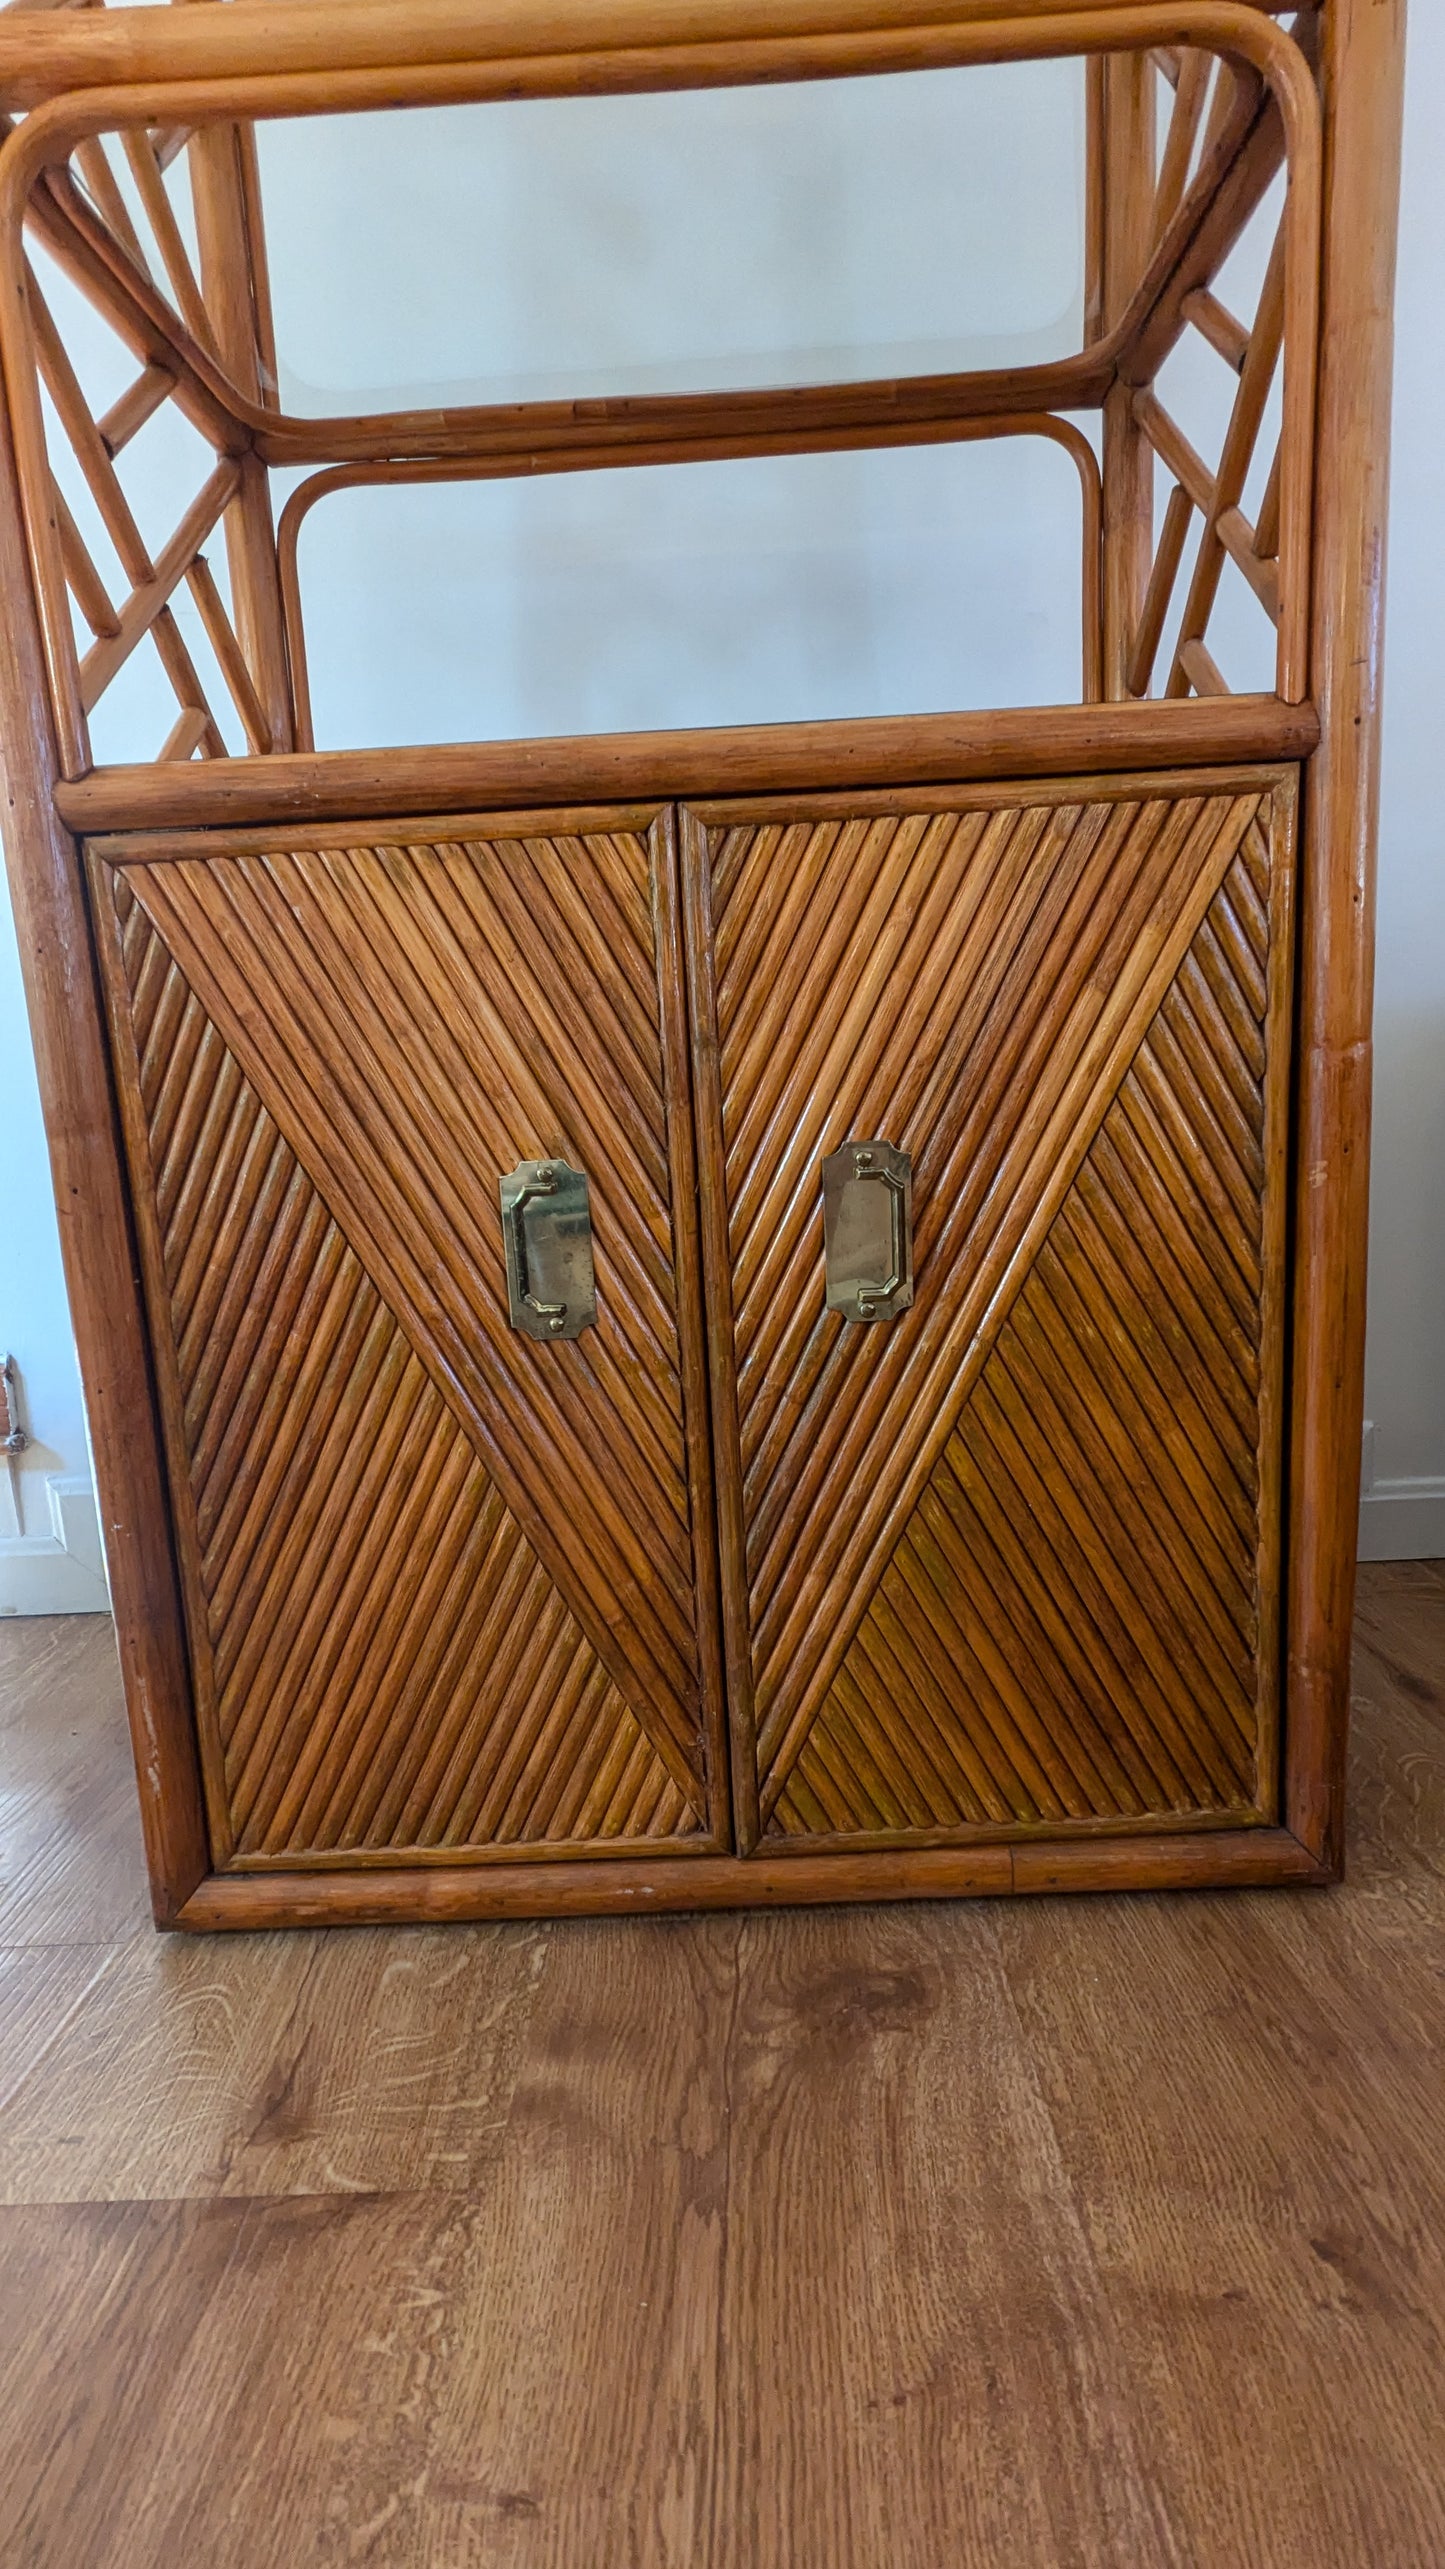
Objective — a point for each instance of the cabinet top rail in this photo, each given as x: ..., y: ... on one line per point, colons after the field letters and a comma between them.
x: 888, y: 751
x: 45, y: 51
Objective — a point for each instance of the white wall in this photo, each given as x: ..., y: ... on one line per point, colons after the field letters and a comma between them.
x: 1403, y: 1514
x: 734, y: 237
x: 49, y: 1547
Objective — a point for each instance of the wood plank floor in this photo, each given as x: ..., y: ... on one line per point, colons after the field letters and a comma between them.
x: 1033, y: 2235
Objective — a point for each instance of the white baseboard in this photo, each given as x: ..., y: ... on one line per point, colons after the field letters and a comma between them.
x: 62, y: 1572
x: 1403, y: 1521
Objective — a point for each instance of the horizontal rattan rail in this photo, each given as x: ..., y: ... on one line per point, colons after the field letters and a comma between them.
x: 1044, y: 740
x: 43, y: 54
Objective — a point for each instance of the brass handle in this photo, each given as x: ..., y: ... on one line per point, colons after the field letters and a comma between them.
x: 551, y: 1291
x: 868, y: 1228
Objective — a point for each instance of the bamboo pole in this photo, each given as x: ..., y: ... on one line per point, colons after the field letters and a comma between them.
x: 1363, y: 68
x: 1162, y: 577
x: 42, y: 56
x: 230, y: 261
x: 1129, y: 188
x: 766, y: 758
x: 1190, y: 94
x: 101, y: 1273
x: 1256, y: 376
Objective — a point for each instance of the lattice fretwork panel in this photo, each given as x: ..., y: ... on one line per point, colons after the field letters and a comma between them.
x: 441, y: 1577
x: 154, y: 236
x: 1210, y: 451
x: 1009, y: 1556
x: 146, y: 315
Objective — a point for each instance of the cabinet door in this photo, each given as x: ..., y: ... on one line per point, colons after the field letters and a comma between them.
x: 1008, y: 1561
x: 449, y: 1588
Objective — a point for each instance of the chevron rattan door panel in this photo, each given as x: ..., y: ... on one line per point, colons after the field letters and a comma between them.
x: 450, y: 1590
x: 1007, y: 1563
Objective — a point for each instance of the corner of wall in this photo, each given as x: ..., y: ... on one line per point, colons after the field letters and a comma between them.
x: 1403, y: 1519
x: 62, y: 1572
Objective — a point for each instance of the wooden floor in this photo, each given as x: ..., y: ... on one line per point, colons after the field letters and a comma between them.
x: 1033, y: 2235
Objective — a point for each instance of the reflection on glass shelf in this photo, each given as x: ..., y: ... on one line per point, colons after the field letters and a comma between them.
x: 922, y: 223
x: 787, y: 589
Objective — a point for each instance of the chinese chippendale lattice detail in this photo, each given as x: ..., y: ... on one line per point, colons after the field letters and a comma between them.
x: 160, y: 227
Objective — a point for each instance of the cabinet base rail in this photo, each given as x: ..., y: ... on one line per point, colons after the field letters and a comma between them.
x: 1226, y: 1858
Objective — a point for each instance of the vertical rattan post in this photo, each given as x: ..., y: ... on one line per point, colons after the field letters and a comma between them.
x: 235, y: 285
x: 1125, y: 142
x: 1362, y: 68
x: 100, y: 1267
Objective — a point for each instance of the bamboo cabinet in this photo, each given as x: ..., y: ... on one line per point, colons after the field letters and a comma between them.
x: 696, y: 1318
